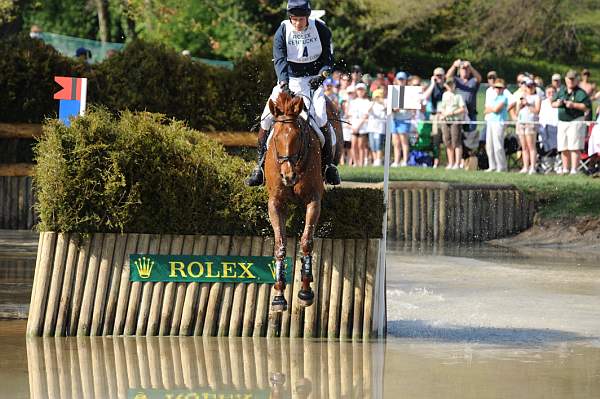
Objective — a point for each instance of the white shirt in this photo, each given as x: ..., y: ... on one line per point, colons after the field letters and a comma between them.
x: 359, y: 108
x: 377, y: 118
x: 548, y: 114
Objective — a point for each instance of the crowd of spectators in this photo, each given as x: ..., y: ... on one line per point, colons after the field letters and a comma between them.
x: 542, y: 121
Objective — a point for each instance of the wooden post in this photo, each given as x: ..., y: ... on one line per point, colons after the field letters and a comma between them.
x: 359, y: 288
x: 290, y: 296
x: 212, y: 311
x: 262, y: 301
x: 161, y: 315
x: 211, y: 249
x: 239, y: 246
x: 371, y: 270
x: 333, y: 324
x: 239, y: 296
x: 251, y: 294
x: 443, y: 226
x: 191, y: 293
x: 297, y: 311
x: 311, y: 313
x: 37, y: 309
x: 146, y: 244
x: 99, y: 311
x: 408, y: 215
x: 416, y: 215
x: 180, y: 291
x: 325, y: 287
x: 118, y: 322
x: 56, y: 277
x: 348, y: 289
x: 67, y: 288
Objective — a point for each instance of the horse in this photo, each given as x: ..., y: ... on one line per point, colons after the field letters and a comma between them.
x: 293, y: 172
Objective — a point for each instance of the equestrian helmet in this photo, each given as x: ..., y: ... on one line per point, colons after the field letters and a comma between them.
x: 298, y: 8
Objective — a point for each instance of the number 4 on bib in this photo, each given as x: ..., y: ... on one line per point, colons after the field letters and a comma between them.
x: 305, y: 52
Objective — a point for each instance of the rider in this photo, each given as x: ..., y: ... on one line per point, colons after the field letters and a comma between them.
x: 303, y: 58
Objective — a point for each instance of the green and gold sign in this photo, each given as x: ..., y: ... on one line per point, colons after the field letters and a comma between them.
x: 205, y: 269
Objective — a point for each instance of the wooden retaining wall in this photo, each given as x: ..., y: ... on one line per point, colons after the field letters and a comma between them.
x: 17, y: 198
x: 453, y: 212
x: 100, y: 367
x: 82, y: 287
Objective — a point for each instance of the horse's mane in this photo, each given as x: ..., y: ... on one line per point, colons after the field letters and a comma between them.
x: 284, y: 103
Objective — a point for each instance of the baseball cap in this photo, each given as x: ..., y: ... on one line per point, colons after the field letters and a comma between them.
x: 378, y: 93
x: 350, y: 89
x: 556, y: 76
x: 499, y: 83
x: 571, y: 74
x: 439, y: 71
x: 83, y: 51
x: 401, y: 76
x: 528, y: 81
x: 360, y: 86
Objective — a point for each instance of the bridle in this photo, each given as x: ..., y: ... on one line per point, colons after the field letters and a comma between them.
x: 305, y: 143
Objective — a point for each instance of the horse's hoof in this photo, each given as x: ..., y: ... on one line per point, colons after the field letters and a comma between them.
x: 279, y: 304
x: 306, y: 298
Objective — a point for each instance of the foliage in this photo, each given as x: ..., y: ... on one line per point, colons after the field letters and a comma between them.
x: 26, y: 82
x: 555, y: 196
x: 141, y: 172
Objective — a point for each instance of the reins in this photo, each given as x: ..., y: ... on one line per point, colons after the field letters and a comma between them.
x: 305, y: 143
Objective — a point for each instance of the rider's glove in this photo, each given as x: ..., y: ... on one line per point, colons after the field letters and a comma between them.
x: 316, y: 81
x: 285, y: 87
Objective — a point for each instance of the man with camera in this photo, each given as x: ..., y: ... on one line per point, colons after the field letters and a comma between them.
x: 572, y: 103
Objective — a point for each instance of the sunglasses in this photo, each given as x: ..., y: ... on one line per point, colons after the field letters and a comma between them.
x: 439, y: 76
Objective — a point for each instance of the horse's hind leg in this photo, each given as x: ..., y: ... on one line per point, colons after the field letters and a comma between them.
x: 306, y: 295
x: 277, y: 216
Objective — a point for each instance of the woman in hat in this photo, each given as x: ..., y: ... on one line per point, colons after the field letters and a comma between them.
x: 494, y: 139
x: 303, y: 58
x: 528, y: 110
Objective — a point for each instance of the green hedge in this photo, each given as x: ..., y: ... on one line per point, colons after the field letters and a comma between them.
x: 143, y: 77
x: 141, y: 172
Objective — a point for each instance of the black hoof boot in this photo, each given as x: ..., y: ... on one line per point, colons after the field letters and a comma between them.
x: 332, y: 176
x: 279, y: 304
x: 306, y: 298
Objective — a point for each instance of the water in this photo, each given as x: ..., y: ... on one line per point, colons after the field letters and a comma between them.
x: 463, y: 322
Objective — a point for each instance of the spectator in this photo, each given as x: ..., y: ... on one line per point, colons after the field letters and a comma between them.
x: 35, y: 32
x: 539, y: 86
x: 356, y: 75
x: 548, y: 129
x: 376, y: 126
x: 589, y: 88
x: 401, y: 125
x: 379, y: 83
x: 494, y: 142
x: 556, y: 81
x: 490, y: 96
x: 345, y: 102
x: 433, y: 93
x: 83, y: 54
x: 359, y: 115
x: 572, y: 103
x: 528, y: 109
x: 329, y: 84
x: 467, y: 85
x: 344, y: 84
x: 452, y: 109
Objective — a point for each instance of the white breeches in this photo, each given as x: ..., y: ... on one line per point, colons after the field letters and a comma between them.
x: 300, y: 86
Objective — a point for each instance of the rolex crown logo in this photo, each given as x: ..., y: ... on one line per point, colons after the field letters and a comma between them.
x: 144, y: 266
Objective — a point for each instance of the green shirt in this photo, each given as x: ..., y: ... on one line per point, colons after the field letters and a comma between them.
x: 578, y: 95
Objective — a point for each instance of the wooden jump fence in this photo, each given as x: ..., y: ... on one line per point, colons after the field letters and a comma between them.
x: 439, y: 212
x: 194, y: 367
x: 17, y: 198
x: 82, y: 287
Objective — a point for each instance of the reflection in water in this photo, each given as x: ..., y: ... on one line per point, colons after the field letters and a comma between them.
x: 191, y: 367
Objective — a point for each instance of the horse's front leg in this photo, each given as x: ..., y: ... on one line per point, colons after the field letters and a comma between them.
x: 313, y: 211
x: 277, y: 214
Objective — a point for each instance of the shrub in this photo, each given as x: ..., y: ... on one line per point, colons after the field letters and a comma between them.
x: 142, y: 172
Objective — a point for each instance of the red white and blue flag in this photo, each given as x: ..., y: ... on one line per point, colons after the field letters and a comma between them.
x: 72, y: 97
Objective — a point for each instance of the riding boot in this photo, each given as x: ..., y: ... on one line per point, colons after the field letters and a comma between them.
x: 331, y: 173
x: 257, y: 176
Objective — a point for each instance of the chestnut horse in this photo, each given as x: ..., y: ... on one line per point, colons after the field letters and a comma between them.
x: 294, y: 172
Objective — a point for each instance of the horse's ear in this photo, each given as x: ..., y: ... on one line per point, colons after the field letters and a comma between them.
x: 296, y: 105
x: 273, y: 108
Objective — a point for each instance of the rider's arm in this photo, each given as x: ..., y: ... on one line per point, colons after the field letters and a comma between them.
x: 326, y: 58
x: 280, y: 55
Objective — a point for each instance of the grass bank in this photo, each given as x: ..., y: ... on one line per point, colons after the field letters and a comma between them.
x: 555, y: 196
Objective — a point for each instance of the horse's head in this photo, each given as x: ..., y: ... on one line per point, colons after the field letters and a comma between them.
x: 289, y: 140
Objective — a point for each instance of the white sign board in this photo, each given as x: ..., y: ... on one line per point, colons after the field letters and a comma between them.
x: 404, y: 97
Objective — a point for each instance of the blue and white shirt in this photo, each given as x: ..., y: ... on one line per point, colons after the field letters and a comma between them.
x: 301, y: 54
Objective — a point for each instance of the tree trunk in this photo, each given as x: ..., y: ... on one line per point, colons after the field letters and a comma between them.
x: 103, y: 20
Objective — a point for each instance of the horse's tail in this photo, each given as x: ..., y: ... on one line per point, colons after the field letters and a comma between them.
x: 333, y: 115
